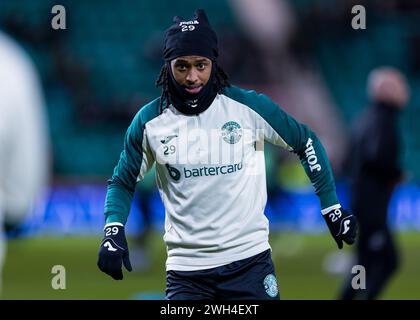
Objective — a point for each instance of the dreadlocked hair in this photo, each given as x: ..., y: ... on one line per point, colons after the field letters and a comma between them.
x: 162, y: 81
x: 221, y: 80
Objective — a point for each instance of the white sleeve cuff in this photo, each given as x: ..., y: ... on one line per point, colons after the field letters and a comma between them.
x: 113, y: 224
x: 333, y: 207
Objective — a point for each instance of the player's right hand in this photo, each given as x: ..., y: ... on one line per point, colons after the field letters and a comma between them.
x: 343, y: 226
x: 113, y: 252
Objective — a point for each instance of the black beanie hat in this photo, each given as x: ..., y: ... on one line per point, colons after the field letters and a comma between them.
x: 191, y: 38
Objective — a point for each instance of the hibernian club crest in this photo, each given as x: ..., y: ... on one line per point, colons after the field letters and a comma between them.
x: 270, y: 285
x: 231, y: 132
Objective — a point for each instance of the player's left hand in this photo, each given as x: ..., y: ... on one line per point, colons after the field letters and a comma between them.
x: 343, y: 226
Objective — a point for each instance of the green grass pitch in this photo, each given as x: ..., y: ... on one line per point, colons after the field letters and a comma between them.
x: 299, y: 260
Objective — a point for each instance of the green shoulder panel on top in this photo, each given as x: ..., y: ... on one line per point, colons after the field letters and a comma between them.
x: 296, y: 135
x: 122, y: 184
x: 288, y: 128
x: 149, y: 111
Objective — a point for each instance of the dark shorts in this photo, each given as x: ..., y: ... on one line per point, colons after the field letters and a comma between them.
x: 253, y: 278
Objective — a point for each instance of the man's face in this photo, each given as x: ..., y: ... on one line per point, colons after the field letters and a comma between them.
x: 191, y: 72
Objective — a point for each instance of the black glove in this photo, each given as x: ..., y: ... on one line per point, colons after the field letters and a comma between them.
x: 342, y: 225
x: 114, y: 251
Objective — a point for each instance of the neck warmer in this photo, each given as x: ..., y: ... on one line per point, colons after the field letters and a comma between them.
x: 188, y: 103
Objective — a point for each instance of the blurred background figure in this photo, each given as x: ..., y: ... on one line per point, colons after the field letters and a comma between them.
x: 23, y: 138
x: 376, y: 169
